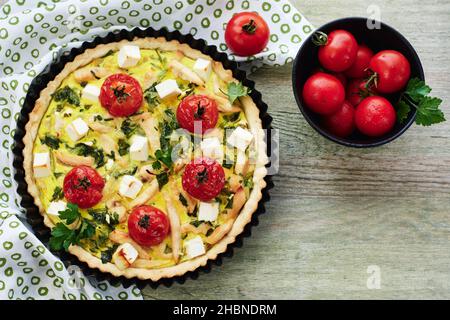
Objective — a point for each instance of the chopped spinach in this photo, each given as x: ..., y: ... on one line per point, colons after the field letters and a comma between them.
x: 130, y: 172
x: 162, y: 179
x: 85, y: 150
x: 57, y: 174
x: 183, y: 200
x: 129, y: 128
x: 106, y: 255
x: 51, y: 141
x: 196, y: 223
x: 58, y: 194
x: 68, y: 95
x: 151, y: 96
x: 124, y: 146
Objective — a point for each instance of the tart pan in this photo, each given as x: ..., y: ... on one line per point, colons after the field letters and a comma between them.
x: 33, y: 216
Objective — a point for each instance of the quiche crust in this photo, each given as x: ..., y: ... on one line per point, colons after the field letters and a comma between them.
x: 245, y: 215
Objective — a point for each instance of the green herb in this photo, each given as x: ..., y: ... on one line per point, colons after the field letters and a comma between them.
x: 183, y: 200
x: 144, y: 222
x: 198, y: 114
x: 67, y: 94
x: 229, y: 204
x: 417, y: 96
x: 236, y: 90
x: 87, y: 106
x: 111, y: 155
x: 167, y: 249
x: 196, y: 223
x: 248, y: 181
x: 164, y: 156
x: 100, y: 215
x: 83, y: 183
x: 59, y: 107
x: 95, y: 76
x: 202, y: 176
x: 130, y: 172
x: 58, y: 194
x: 156, y: 165
x: 120, y: 93
x: 162, y: 60
x: 85, y: 150
x: 124, y: 146
x: 194, y: 212
x: 162, y: 179
x: 106, y: 255
x: 151, y: 96
x: 227, y: 163
x: 71, y: 214
x: 51, y: 141
x: 98, y: 117
x: 83, y: 84
x: 233, y: 117
x: 57, y: 174
x: 166, y: 127
x: 110, y: 52
x: 128, y: 127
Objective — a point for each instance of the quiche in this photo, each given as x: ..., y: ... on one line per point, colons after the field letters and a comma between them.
x: 146, y: 158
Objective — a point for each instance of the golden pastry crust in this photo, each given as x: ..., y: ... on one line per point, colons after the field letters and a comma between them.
x: 245, y: 215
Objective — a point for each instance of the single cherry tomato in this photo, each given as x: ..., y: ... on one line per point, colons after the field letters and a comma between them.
x: 83, y: 186
x: 337, y: 50
x: 203, y: 178
x: 341, y: 77
x: 341, y: 123
x: 358, y: 90
x: 359, y: 68
x: 121, y: 95
x: 148, y: 225
x: 391, y: 70
x: 247, y: 34
x: 375, y: 116
x: 323, y: 93
x: 197, y: 108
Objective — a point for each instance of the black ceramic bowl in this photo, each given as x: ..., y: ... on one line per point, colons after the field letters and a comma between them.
x: 383, y: 38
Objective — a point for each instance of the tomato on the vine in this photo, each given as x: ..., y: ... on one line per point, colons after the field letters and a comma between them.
x: 391, y: 71
x: 83, y: 186
x: 247, y: 34
x: 337, y: 50
x: 121, y: 95
x: 323, y: 93
x: 358, y: 90
x: 148, y: 225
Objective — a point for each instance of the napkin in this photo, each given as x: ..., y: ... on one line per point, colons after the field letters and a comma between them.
x: 35, y: 33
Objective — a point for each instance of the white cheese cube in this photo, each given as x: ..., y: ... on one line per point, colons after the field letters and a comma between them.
x: 55, y: 207
x: 139, y: 148
x: 212, y: 148
x: 208, y: 211
x: 129, y: 187
x: 124, y: 256
x: 194, y: 247
x: 167, y: 88
x: 128, y: 56
x: 41, y: 165
x: 240, y: 138
x: 77, y: 129
x: 90, y: 92
x: 202, y: 68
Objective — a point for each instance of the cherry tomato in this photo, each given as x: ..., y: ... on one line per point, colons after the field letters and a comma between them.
x: 197, y: 108
x: 203, y: 178
x: 247, y: 34
x: 375, y: 116
x: 83, y: 186
x: 359, y: 68
x: 391, y: 69
x: 148, y: 225
x: 342, y: 122
x: 121, y: 95
x: 323, y: 93
x: 341, y: 77
x: 358, y: 90
x: 337, y: 51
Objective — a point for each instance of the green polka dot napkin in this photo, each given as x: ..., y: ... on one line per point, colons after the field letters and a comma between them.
x: 32, y: 35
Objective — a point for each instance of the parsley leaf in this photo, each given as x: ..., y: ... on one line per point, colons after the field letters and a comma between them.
x: 164, y: 156
x: 417, y: 95
x: 71, y: 214
x: 236, y: 90
x: 162, y: 179
x: 62, y: 237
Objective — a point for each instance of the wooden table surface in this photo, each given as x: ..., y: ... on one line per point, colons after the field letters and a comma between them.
x: 336, y: 211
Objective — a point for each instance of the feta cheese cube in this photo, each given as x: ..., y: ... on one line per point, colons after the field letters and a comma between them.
x: 208, y: 211
x: 90, y: 92
x: 129, y: 187
x: 212, y: 148
x: 124, y: 256
x: 128, y: 56
x: 194, y: 247
x: 139, y: 148
x: 167, y: 88
x: 202, y: 68
x: 240, y: 138
x: 77, y: 129
x: 55, y: 207
x: 41, y: 165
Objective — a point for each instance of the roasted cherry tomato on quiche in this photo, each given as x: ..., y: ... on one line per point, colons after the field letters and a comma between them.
x: 337, y: 50
x: 375, y: 116
x: 391, y: 71
x: 247, y: 34
x: 359, y: 68
x: 121, y: 95
x: 203, y: 178
x: 148, y: 225
x: 198, y: 109
x: 83, y: 186
x: 323, y: 93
